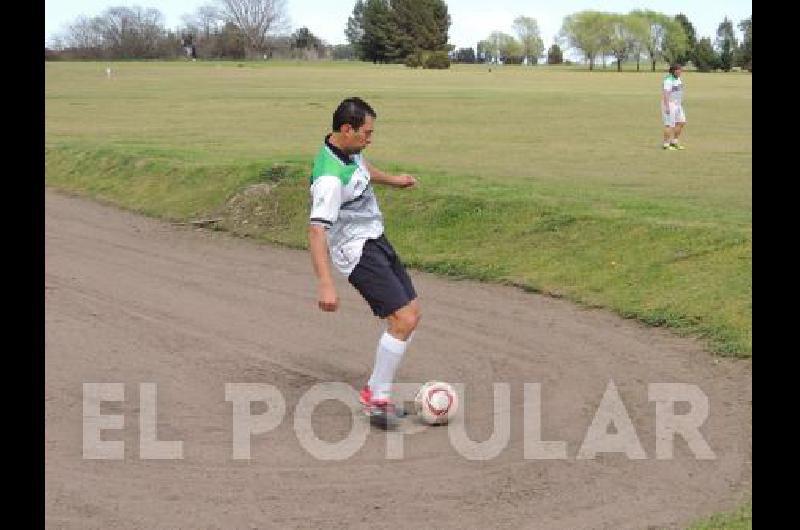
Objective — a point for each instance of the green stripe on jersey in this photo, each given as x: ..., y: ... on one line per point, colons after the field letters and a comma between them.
x: 329, y: 164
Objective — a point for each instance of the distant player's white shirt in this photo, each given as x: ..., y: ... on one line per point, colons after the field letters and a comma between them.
x: 674, y: 86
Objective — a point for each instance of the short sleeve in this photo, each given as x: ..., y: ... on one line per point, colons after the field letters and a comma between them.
x: 326, y: 199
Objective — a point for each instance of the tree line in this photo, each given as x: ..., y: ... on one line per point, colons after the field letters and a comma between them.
x: 224, y: 29
x: 412, y: 32
x: 646, y: 34
x: 641, y: 35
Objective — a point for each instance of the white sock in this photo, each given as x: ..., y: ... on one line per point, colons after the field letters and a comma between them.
x: 387, y: 358
x: 674, y: 141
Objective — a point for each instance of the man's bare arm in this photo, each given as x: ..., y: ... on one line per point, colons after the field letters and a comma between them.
x: 318, y: 245
x: 398, y: 181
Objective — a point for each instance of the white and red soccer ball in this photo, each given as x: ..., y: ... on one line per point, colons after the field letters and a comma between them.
x: 436, y: 402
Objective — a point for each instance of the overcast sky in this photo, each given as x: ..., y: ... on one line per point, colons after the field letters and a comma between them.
x: 472, y: 20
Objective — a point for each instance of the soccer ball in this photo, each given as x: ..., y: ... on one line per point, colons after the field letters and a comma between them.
x: 436, y: 402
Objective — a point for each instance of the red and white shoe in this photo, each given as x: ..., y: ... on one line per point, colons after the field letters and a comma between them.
x: 365, y: 396
x: 381, y: 411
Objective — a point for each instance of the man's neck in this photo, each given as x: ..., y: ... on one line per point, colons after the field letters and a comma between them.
x: 335, y: 142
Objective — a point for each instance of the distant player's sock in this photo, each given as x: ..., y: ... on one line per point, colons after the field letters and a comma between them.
x: 387, y: 359
x: 674, y: 142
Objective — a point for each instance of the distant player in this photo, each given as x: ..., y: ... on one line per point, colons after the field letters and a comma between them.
x: 672, y: 108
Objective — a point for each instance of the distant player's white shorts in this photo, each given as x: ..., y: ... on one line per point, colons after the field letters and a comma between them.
x: 675, y: 116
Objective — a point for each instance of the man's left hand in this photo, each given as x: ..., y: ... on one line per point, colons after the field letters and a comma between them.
x: 405, y: 181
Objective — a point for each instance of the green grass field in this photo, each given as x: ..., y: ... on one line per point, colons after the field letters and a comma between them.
x: 550, y: 179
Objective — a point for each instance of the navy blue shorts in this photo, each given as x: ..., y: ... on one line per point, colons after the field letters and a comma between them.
x: 381, y: 278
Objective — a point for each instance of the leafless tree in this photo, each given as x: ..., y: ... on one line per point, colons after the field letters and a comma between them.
x: 131, y: 31
x: 203, y: 21
x: 255, y: 19
x: 81, y: 34
x: 207, y: 17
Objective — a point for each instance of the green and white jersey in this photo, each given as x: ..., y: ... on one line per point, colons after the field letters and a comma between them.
x: 343, y: 201
x: 674, y: 85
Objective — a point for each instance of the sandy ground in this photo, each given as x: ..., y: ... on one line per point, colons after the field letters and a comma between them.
x: 133, y: 300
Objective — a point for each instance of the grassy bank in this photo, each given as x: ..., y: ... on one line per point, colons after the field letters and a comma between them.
x: 655, y: 262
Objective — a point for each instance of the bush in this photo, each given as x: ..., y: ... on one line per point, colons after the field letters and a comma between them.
x: 429, y: 60
x: 414, y: 60
x: 51, y: 55
x: 436, y: 60
x: 555, y: 55
x: 513, y: 59
x: 706, y: 57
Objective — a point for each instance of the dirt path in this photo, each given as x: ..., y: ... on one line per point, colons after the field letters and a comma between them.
x: 133, y: 300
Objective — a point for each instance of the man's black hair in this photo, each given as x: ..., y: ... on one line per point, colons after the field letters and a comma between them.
x: 352, y: 111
